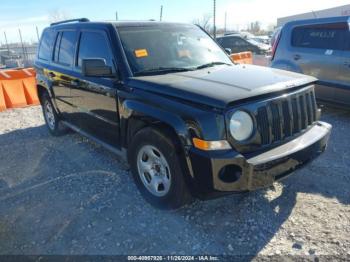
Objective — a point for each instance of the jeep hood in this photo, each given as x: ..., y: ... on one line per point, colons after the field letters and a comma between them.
x: 218, y: 86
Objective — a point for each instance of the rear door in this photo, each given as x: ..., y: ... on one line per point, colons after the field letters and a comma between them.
x: 95, y: 98
x: 60, y: 73
x: 318, y: 49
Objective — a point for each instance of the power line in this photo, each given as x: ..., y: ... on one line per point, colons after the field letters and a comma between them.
x: 225, y: 21
x: 23, y: 48
x: 37, y: 33
x: 214, y: 31
x: 161, y: 13
x: 7, y: 44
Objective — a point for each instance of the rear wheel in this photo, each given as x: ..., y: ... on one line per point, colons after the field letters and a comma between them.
x: 156, y: 169
x: 51, y: 117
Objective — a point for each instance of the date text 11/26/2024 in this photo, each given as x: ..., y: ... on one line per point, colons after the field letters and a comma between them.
x: 173, y: 258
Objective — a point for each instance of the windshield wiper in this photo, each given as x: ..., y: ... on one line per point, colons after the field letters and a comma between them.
x: 211, y: 64
x: 162, y: 70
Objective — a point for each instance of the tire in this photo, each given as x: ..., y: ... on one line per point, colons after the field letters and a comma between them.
x: 155, y: 165
x: 51, y: 117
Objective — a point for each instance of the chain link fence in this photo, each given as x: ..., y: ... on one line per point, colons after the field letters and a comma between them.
x: 17, y: 54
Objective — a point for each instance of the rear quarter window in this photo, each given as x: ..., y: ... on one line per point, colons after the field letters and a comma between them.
x: 46, y: 43
x: 321, y: 36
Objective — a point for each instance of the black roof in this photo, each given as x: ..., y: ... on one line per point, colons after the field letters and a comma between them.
x: 119, y: 23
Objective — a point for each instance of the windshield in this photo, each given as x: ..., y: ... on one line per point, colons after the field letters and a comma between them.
x: 166, y: 48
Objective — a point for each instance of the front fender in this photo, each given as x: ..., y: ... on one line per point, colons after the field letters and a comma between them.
x: 133, y: 108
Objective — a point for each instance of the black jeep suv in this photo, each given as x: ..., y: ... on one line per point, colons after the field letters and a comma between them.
x: 169, y: 100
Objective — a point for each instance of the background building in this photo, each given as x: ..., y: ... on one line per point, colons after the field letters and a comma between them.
x: 336, y: 11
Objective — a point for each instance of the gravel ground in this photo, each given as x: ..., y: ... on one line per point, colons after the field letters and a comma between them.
x: 67, y: 195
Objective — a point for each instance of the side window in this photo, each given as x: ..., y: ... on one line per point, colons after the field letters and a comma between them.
x: 65, y: 46
x: 47, y: 40
x: 94, y: 45
x: 322, y: 36
x: 239, y: 42
x: 226, y: 43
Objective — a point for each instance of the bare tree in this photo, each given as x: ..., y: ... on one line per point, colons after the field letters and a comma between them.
x: 56, y: 15
x: 204, y: 22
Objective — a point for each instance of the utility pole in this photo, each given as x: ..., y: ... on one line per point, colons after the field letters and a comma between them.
x: 7, y: 44
x: 24, y: 51
x: 116, y: 16
x: 161, y: 13
x: 225, y: 21
x: 37, y: 33
x: 214, y: 30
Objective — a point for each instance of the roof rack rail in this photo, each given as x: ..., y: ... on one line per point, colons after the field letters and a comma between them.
x: 70, y: 21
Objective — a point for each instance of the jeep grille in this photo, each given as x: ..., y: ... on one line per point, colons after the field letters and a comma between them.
x: 287, y: 116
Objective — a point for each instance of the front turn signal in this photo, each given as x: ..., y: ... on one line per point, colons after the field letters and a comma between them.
x: 211, y: 145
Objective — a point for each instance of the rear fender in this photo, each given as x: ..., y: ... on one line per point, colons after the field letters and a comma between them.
x: 286, y: 65
x: 45, y: 83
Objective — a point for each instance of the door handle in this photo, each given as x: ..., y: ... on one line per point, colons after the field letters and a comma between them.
x: 52, y: 74
x: 297, y: 57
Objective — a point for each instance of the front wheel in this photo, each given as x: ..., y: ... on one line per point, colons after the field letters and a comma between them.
x: 156, y: 169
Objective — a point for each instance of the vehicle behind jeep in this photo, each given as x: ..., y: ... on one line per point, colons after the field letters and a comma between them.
x: 320, y: 48
x: 167, y: 99
x: 237, y: 43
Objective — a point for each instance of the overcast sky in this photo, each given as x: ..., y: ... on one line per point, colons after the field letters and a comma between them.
x: 27, y: 14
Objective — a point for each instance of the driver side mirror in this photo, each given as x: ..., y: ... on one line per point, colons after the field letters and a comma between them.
x: 228, y: 51
x: 96, y: 67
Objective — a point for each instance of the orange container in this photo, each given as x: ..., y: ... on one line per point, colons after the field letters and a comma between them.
x: 13, y: 93
x: 242, y: 58
x: 18, y: 88
x: 30, y: 91
x: 2, y: 100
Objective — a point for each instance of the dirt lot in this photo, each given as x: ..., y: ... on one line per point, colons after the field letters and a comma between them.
x: 69, y: 196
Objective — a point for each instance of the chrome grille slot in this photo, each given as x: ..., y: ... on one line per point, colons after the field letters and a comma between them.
x: 263, y: 125
x: 310, y: 116
x: 296, y: 119
x: 276, y: 126
x: 303, y: 112
x: 313, y: 105
x: 287, y: 119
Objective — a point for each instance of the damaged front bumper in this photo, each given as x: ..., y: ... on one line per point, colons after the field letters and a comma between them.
x: 230, y: 171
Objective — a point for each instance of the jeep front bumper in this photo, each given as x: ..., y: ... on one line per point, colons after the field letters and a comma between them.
x: 229, y: 171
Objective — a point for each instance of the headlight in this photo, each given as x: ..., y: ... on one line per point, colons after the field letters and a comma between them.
x: 241, y: 125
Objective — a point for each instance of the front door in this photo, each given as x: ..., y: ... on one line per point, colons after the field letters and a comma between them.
x: 95, y: 98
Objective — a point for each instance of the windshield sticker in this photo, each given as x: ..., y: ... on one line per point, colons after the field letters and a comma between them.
x: 184, y: 53
x: 141, y: 53
x: 329, y: 52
